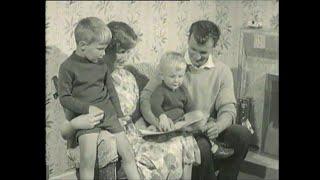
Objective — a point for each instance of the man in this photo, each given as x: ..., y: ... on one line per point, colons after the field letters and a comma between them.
x: 210, y: 84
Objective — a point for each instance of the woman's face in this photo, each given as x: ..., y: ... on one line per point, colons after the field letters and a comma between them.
x: 123, y: 55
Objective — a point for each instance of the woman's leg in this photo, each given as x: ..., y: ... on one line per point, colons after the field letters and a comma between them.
x: 126, y: 152
x: 88, y: 150
x: 187, y: 172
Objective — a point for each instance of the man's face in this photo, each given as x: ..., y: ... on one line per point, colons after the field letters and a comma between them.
x: 95, y: 51
x: 199, y: 53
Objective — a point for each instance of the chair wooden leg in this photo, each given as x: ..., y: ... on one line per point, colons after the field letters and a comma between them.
x: 78, y: 173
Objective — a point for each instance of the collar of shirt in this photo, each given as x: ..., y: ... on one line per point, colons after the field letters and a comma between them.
x: 208, y: 65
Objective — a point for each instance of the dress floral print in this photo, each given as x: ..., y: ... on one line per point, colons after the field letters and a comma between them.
x: 155, y: 160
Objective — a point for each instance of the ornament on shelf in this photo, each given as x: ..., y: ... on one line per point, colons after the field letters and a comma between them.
x: 254, y: 24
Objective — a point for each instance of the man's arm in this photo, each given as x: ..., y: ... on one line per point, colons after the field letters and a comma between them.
x: 65, y: 93
x: 145, y: 101
x: 188, y: 104
x: 224, y: 105
x: 224, y: 121
x: 225, y: 102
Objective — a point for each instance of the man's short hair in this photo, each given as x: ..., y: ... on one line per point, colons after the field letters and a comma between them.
x: 122, y: 34
x: 92, y: 29
x: 171, y: 60
x: 203, y: 30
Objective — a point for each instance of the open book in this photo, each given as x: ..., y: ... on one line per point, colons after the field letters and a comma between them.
x: 187, y: 120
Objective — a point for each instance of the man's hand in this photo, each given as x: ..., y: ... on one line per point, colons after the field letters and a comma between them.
x: 212, y: 130
x: 87, y: 121
x: 165, y: 123
x: 95, y: 111
x: 125, y: 118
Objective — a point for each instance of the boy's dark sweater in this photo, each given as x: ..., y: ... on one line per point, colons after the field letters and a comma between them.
x: 173, y: 103
x: 83, y: 83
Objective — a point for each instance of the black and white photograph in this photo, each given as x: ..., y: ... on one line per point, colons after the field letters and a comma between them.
x: 162, y: 90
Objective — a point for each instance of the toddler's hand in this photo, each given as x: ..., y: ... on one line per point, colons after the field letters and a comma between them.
x: 165, y: 123
x: 152, y: 128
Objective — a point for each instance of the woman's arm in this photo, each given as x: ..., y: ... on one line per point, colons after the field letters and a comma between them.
x: 66, y: 130
x: 88, y: 121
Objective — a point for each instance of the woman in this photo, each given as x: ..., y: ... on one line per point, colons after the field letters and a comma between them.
x: 155, y: 160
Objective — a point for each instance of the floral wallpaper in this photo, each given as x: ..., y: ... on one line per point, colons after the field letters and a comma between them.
x: 160, y: 25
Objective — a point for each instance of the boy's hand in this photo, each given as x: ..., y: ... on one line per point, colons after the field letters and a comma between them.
x: 95, y: 111
x: 85, y: 121
x: 165, y: 123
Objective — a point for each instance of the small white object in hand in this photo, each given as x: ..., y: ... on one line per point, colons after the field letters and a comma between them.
x: 214, y: 148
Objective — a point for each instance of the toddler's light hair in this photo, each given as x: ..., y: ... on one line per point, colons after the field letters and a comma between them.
x: 171, y: 60
x: 92, y: 29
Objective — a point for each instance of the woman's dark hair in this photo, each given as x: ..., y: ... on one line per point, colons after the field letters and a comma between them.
x: 123, y: 36
x: 203, y: 30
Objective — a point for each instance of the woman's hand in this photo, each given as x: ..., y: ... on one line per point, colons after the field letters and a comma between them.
x: 87, y: 121
x: 165, y: 123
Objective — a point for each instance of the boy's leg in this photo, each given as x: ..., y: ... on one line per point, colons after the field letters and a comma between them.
x: 187, y: 172
x: 88, y: 149
x: 126, y: 152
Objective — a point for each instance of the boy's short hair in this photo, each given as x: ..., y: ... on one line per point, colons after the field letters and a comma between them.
x: 122, y: 35
x: 203, y: 30
x: 92, y: 29
x: 171, y: 60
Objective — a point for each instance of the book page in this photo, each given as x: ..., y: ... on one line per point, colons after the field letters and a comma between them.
x: 189, y: 119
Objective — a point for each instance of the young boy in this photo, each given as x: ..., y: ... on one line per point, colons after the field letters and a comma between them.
x: 171, y: 99
x: 85, y: 88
